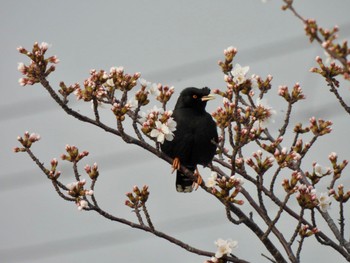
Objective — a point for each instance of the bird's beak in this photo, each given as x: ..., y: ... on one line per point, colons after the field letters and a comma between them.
x: 208, y: 97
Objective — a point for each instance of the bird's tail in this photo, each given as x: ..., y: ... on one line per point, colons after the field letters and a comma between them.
x: 183, y: 183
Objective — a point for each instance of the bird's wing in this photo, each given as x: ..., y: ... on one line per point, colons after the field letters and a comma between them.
x: 182, y: 144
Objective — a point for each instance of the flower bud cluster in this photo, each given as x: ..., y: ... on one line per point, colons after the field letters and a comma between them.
x: 225, y: 115
x: 53, y: 174
x: 73, y: 154
x: 299, y: 129
x: 229, y: 53
x: 290, y: 185
x: 92, y: 171
x: 306, y: 196
x: 273, y: 146
x: 66, y: 91
x: 228, y: 93
x: 77, y: 191
x: 340, y: 196
x: 320, y: 127
x: 93, y: 86
x: 138, y: 198
x: 226, y: 184
x: 311, y: 29
x: 300, y: 147
x: 285, y: 158
x: 229, y: 113
x: 305, y: 231
x: 122, y: 81
x: 142, y: 96
x: 164, y: 93
x: 294, y: 96
x: 263, y: 85
x: 334, y: 49
x: 120, y: 109
x: 337, y: 168
x: 261, y: 165
x: 38, y: 66
x: 27, y: 140
x: 328, y: 72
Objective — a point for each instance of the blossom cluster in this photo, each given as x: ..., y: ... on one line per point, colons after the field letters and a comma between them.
x: 286, y: 158
x: 102, y: 85
x: 305, y: 231
x: 260, y: 165
x: 307, y: 198
x: 291, y: 97
x: 251, y: 117
x: 224, y: 247
x: 320, y: 127
x: 162, y: 93
x: 92, y: 171
x: 38, y: 67
x: 73, y: 154
x: 121, y: 108
x: 290, y: 185
x: 226, y: 185
x: 158, y: 124
x: 53, y: 173
x: 138, y: 197
x: 76, y: 190
x: 337, y: 168
x: 318, y: 173
x: 27, y: 140
x: 340, y: 196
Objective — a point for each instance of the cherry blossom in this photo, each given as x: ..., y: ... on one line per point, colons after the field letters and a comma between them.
x: 239, y: 73
x: 324, y: 202
x: 224, y: 247
x: 161, y: 132
x: 211, y: 182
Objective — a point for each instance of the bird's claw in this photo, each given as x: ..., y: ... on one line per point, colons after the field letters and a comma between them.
x: 199, y: 181
x: 176, y: 164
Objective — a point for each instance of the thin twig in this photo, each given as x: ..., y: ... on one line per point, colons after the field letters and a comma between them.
x: 273, y: 223
x: 296, y: 231
x: 148, y: 217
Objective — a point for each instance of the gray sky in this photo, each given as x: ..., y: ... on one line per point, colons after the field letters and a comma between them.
x: 173, y: 42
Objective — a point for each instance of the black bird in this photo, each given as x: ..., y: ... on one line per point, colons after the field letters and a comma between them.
x: 195, y: 136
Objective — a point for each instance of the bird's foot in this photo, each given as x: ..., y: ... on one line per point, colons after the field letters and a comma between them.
x: 176, y: 164
x: 199, y: 179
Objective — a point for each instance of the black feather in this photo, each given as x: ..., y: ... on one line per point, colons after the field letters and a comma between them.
x: 194, y: 134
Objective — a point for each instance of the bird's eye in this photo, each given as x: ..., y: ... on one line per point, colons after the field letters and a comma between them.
x: 195, y: 96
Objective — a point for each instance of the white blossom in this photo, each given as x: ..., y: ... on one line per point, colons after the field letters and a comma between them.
x: 238, y: 73
x: 211, y: 182
x: 162, y: 132
x: 224, y: 247
x: 44, y: 46
x: 271, y: 113
x: 153, y: 89
x: 171, y: 124
x: 320, y: 170
x: 81, y: 204
x: 324, y: 202
x: 132, y: 104
x: 71, y: 186
x: 22, y: 81
x: 110, y: 82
